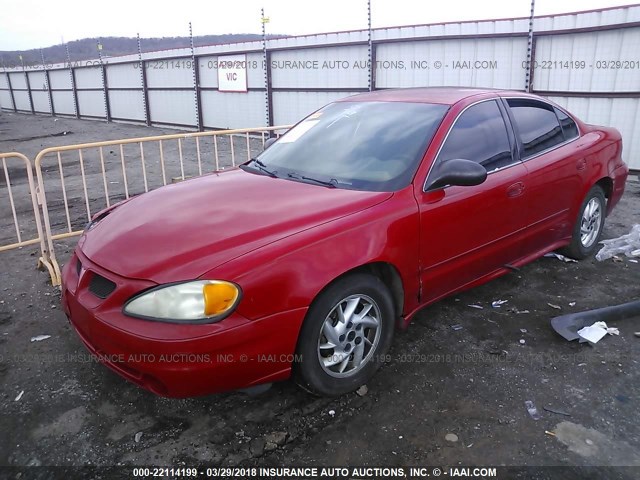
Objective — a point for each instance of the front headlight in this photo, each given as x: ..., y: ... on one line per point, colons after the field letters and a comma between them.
x: 199, y: 301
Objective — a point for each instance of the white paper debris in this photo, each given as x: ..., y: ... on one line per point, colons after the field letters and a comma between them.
x: 40, y: 338
x: 557, y: 307
x: 17, y: 399
x: 628, y: 244
x: 332, y: 413
x: 560, y: 257
x: 476, y: 306
x: 498, y: 303
x: 594, y: 333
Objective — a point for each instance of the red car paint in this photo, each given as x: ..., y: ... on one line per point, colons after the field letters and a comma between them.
x: 283, y: 242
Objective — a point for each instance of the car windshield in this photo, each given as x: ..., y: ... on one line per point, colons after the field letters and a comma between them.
x: 373, y: 146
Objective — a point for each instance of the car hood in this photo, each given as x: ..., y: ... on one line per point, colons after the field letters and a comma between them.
x: 181, y: 231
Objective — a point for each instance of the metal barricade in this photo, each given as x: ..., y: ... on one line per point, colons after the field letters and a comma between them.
x: 22, y: 210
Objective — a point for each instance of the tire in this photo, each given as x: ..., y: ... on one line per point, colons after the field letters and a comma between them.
x: 331, y: 342
x: 588, y: 227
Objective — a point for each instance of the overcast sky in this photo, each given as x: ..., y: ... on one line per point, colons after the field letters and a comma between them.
x: 28, y: 24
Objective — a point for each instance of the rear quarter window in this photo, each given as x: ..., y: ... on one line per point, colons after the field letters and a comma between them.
x: 569, y: 127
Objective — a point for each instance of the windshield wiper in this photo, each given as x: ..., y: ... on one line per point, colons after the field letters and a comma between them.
x: 330, y: 184
x: 262, y: 167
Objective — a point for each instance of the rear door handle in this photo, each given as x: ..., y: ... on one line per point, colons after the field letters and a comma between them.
x: 515, y: 190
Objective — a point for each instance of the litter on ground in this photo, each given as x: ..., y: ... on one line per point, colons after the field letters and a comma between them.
x: 628, y: 244
x: 560, y: 257
x: 594, y: 333
x: 559, y: 412
x: 533, y: 411
x: 40, y: 338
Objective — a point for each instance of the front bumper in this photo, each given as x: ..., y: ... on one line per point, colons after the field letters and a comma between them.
x: 170, y: 359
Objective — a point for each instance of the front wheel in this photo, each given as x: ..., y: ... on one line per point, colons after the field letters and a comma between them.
x: 589, y: 225
x: 348, y: 329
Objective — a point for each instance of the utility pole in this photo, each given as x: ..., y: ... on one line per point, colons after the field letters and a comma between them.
x: 47, y: 83
x: 196, y: 81
x: 72, y: 78
x: 267, y: 77
x: 103, y: 75
x: 530, y: 52
x: 28, y: 85
x: 143, y: 82
x: 372, y: 67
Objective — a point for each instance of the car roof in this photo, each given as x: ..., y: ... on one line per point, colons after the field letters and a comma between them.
x: 439, y: 95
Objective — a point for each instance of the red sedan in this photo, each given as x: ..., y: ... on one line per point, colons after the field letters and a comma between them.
x: 306, y: 259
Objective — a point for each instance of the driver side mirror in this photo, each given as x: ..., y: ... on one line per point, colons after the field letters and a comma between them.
x: 269, y: 142
x: 456, y: 172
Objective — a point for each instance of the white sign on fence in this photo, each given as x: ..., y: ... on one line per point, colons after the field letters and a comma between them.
x: 232, y: 73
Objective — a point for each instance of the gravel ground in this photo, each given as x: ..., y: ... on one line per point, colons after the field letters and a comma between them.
x: 446, y: 397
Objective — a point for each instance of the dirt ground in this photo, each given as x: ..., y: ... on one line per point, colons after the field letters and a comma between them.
x: 60, y: 408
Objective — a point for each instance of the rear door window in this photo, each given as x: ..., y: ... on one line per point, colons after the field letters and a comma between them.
x: 537, y: 124
x: 479, y: 134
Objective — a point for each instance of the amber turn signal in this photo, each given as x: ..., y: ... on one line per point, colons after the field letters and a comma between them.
x: 218, y: 297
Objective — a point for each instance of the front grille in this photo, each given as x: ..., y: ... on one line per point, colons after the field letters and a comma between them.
x: 100, y: 286
x: 78, y: 267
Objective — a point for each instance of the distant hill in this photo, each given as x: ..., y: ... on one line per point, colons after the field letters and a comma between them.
x: 86, y: 48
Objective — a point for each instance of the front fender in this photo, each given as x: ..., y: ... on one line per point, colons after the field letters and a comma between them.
x: 290, y: 273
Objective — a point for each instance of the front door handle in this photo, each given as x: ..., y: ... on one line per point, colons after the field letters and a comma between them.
x: 515, y: 190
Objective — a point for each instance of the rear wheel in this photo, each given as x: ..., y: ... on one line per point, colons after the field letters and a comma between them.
x: 348, y: 329
x: 589, y: 225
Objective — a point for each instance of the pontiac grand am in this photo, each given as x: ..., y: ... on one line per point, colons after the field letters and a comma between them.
x: 303, y: 261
